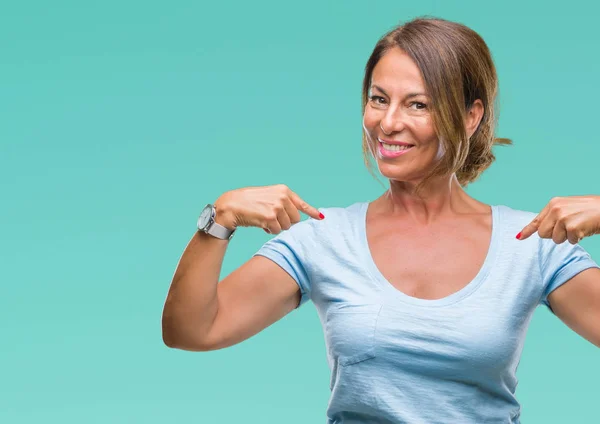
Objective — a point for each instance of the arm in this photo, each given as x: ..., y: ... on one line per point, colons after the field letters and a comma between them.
x: 250, y: 299
x: 577, y: 304
x: 191, y: 304
x: 201, y: 315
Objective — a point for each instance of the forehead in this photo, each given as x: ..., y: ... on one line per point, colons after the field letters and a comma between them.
x: 397, y: 71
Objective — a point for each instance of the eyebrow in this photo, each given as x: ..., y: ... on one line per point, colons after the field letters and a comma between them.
x: 408, y: 96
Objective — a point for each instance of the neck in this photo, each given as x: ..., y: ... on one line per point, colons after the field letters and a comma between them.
x: 441, y: 198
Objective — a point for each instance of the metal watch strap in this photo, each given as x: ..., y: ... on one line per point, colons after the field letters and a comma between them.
x: 219, y: 231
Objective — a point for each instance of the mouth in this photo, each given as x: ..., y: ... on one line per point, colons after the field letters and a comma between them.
x: 393, y: 142
x: 388, y: 150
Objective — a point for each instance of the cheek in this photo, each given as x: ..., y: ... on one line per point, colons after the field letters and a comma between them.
x: 440, y: 152
x: 425, y: 131
x: 369, y: 123
x: 424, y: 126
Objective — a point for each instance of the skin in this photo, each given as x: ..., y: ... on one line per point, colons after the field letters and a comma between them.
x: 577, y: 302
x: 409, y: 120
x: 443, y: 206
x: 442, y: 216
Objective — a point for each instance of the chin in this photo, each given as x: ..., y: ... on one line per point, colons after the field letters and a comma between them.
x: 402, y: 172
x: 394, y: 172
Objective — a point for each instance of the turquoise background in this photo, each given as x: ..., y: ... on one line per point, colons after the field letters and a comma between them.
x: 121, y: 120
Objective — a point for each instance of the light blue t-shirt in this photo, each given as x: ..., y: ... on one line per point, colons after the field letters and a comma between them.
x: 399, y: 359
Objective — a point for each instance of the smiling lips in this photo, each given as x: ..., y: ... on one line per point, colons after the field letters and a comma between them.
x: 393, y: 149
x: 399, y: 143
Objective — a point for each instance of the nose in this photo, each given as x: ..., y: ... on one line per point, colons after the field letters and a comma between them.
x: 392, y: 121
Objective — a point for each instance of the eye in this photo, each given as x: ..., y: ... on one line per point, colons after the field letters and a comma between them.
x: 420, y: 105
x: 375, y: 99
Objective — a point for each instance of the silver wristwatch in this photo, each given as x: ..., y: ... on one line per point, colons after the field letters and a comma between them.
x: 206, y: 223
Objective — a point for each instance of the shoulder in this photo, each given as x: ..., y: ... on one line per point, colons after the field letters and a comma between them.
x: 335, y: 216
x: 338, y: 221
x: 515, y: 214
x: 514, y: 219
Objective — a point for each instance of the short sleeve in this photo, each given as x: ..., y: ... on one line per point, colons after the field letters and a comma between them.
x: 559, y: 263
x: 288, y: 250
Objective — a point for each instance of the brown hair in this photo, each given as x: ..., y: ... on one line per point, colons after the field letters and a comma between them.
x: 457, y: 68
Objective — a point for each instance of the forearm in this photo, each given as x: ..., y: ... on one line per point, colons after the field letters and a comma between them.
x: 191, y: 304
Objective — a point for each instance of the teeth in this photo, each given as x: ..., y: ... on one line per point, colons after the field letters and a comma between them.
x: 395, y: 147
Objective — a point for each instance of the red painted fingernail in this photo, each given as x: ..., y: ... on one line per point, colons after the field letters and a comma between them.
x: 519, y: 236
x: 321, y: 215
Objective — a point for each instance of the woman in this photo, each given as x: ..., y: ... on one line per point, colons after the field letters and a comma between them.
x: 424, y: 294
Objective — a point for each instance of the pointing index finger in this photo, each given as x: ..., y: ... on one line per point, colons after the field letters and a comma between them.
x: 529, y: 229
x: 305, y: 207
x: 533, y: 226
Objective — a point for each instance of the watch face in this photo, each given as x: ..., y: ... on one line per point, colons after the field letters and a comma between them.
x: 204, y: 217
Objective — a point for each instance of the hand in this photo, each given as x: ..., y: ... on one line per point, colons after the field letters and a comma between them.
x: 273, y: 208
x: 566, y: 218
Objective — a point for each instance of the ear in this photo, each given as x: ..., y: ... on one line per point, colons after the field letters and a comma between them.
x: 473, y: 118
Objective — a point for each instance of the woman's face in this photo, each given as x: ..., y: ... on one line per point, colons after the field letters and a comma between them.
x: 398, y: 103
